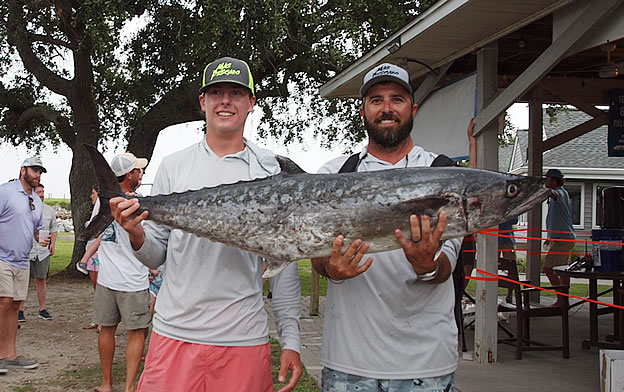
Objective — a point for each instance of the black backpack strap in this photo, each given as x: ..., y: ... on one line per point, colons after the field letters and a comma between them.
x: 350, y: 164
x: 442, y: 160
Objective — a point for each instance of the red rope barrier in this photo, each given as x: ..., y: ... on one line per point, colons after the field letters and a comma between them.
x: 489, y: 232
x: 496, y: 277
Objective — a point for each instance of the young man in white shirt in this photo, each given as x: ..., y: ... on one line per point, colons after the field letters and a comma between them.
x: 210, y: 330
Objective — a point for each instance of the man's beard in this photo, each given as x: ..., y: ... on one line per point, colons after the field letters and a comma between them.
x: 387, y: 137
x: 30, y: 180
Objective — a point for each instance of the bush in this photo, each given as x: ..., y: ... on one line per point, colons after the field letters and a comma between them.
x: 65, y: 203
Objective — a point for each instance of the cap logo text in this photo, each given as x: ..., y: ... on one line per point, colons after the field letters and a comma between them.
x: 224, y: 69
x: 384, y: 70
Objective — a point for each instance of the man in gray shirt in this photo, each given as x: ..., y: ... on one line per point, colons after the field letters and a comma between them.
x: 559, y: 226
x: 40, y: 256
x: 389, y: 324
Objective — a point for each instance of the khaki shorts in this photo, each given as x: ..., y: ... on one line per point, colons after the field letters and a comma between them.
x: 553, y: 259
x: 40, y: 268
x: 13, y: 281
x: 112, y: 306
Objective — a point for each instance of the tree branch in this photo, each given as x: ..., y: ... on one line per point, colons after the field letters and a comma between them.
x: 17, y: 35
x: 46, y: 113
x: 178, y: 106
x: 45, y: 39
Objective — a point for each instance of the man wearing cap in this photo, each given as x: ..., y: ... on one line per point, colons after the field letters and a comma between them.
x: 121, y: 292
x: 20, y: 221
x: 389, y: 324
x: 559, y: 226
x: 210, y: 329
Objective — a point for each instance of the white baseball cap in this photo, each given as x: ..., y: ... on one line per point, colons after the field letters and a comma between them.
x: 385, y: 72
x: 126, y: 162
x: 34, y: 162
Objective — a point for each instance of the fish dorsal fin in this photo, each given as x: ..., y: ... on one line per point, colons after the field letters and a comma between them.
x: 288, y: 166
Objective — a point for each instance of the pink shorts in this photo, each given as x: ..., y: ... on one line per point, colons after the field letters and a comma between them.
x: 172, y: 365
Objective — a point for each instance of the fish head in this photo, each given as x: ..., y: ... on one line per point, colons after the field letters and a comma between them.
x: 501, y: 197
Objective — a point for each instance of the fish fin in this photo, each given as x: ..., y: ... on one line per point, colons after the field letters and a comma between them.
x: 109, y: 188
x: 98, y: 224
x: 427, y: 206
x: 274, y: 267
x: 288, y: 166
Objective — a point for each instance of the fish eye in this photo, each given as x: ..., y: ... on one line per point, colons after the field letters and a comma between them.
x: 512, y: 190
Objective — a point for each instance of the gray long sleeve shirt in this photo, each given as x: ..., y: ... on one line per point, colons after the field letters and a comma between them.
x: 385, y: 323
x: 212, y: 293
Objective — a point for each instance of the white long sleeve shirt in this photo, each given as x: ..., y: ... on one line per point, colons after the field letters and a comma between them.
x: 212, y: 293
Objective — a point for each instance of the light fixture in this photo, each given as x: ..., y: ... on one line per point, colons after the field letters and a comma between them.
x: 394, y: 45
x: 610, y: 71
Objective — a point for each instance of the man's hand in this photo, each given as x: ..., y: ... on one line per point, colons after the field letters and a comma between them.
x: 289, y: 361
x: 421, y: 250
x: 472, y: 145
x: 344, y: 266
x: 51, y: 249
x: 123, y: 210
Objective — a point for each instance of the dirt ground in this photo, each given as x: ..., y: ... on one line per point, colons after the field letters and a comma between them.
x: 60, y: 344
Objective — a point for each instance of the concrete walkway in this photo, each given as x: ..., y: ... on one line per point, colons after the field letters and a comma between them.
x: 311, y: 335
x: 537, y: 371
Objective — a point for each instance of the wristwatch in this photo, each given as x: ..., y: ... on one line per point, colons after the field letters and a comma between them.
x: 430, y: 275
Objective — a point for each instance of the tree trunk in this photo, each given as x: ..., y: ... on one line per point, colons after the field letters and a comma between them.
x: 81, y: 180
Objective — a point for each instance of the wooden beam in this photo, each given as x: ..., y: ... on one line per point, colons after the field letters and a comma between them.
x: 534, y: 219
x: 575, y: 132
x: 429, y: 84
x: 314, y: 293
x: 568, y: 95
x: 546, y: 61
x: 486, y: 338
x: 591, y: 90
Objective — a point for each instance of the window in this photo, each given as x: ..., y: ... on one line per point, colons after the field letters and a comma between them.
x: 577, y: 199
x: 597, y: 198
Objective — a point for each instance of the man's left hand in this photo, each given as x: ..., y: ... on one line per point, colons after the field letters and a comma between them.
x: 51, y: 249
x: 289, y: 361
x: 421, y: 250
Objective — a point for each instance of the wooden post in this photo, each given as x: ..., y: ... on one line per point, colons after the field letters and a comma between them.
x: 314, y: 293
x: 534, y: 220
x: 487, y: 255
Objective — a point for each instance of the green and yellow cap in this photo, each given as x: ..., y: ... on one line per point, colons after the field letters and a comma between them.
x: 227, y: 70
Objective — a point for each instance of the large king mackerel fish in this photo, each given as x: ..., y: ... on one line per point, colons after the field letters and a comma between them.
x: 295, y: 215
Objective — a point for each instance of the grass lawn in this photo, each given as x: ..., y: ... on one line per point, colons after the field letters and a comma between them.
x: 62, y: 256
x: 65, y: 203
x: 305, y: 275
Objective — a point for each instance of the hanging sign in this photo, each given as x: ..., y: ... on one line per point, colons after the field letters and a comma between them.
x: 616, y: 123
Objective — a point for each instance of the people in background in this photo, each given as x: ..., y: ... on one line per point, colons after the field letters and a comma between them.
x: 560, y: 233
x: 40, y: 257
x: 21, y: 218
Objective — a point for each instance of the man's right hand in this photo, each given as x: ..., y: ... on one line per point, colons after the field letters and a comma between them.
x: 345, y: 266
x: 123, y: 210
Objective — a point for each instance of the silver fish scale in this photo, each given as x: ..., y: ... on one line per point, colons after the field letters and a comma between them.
x: 291, y: 217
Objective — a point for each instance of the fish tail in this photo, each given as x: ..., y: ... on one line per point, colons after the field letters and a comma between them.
x: 109, y: 188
